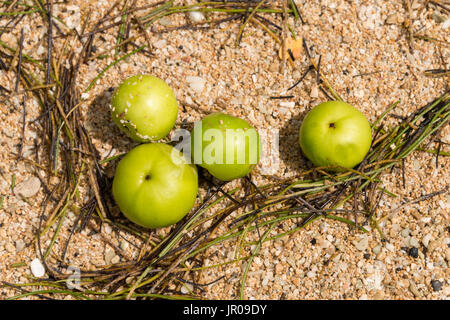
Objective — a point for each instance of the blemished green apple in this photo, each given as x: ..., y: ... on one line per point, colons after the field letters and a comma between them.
x: 227, y: 146
x: 144, y: 107
x: 335, y: 133
x: 155, y: 185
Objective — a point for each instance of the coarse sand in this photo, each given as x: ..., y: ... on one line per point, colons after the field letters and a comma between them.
x: 373, y: 53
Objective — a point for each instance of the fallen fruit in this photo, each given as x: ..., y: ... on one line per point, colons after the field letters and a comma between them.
x: 144, y: 107
x: 154, y: 185
x: 227, y: 146
x: 334, y: 133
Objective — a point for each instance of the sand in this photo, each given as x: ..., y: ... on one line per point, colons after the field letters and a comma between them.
x: 368, y: 57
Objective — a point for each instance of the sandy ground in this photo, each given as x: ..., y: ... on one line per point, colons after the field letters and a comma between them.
x: 366, y: 55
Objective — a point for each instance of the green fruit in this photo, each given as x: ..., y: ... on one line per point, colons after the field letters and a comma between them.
x: 334, y: 133
x: 154, y: 185
x: 228, y: 147
x: 144, y: 107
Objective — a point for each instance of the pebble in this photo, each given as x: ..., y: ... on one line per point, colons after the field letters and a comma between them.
x: 20, y: 245
x: 446, y: 24
x: 405, y: 232
x: 37, y: 269
x: 377, y: 249
x: 287, y: 104
x: 390, y: 247
x: 160, y: 44
x: 186, y: 288
x: 123, y: 245
x: 432, y: 245
x: 115, y: 259
x: 426, y: 240
x: 197, y: 84
x: 362, y: 244
x: 436, y: 284
x: 9, y: 247
x: 165, y: 21
x: 123, y: 67
x: 40, y: 50
x: 337, y: 258
x: 278, y: 268
x: 392, y: 19
x: 196, y: 16
x: 413, y: 242
x: 314, y: 92
x: 109, y: 255
x: 28, y: 188
x: 107, y: 228
x: 413, y: 252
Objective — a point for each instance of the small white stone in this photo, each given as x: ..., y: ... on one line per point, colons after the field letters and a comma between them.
x: 115, y: 259
x: 391, y: 19
x: 390, y: 247
x: 196, y: 16
x: 376, y: 249
x: 165, y: 21
x: 405, y: 232
x: 40, y: 50
x: 160, y: 44
x: 28, y: 188
x: 109, y: 255
x: 314, y: 92
x: 413, y: 242
x: 287, y: 104
x: 123, y: 67
x: 20, y: 245
x: 37, y: 269
x: 197, y: 84
x: 426, y: 219
x: 362, y: 244
x: 186, y: 288
x: 123, y: 245
x: 107, y: 228
x: 426, y: 239
x: 337, y: 258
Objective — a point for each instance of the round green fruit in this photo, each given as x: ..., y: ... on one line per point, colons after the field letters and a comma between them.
x: 334, y: 133
x: 154, y: 185
x: 144, y: 107
x: 227, y: 146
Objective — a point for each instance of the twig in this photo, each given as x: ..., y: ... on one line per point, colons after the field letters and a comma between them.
x: 19, y: 65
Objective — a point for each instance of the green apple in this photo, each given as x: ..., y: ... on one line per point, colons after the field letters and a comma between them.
x: 144, y: 107
x: 155, y: 185
x: 335, y: 133
x: 227, y: 146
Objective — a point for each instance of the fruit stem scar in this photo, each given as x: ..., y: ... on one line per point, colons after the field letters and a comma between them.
x: 332, y: 125
x: 147, y: 177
